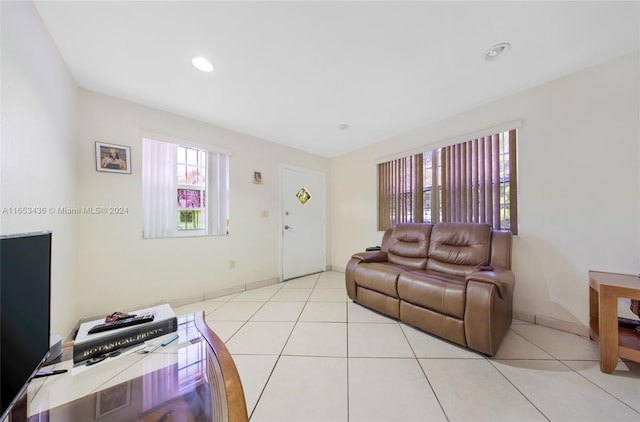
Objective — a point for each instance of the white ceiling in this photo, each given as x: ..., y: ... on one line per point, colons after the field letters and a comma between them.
x: 291, y: 72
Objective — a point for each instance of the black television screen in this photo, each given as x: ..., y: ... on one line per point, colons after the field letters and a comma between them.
x: 25, y: 301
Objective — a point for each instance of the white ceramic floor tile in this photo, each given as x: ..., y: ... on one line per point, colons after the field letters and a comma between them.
x: 390, y: 390
x: 207, y: 306
x: 624, y: 382
x: 359, y: 313
x: 427, y: 346
x: 290, y: 340
x: 324, y: 312
x: 514, y: 346
x: 305, y: 389
x: 224, y: 329
x: 254, y: 373
x: 318, y: 339
x: 291, y: 295
x: 562, y: 394
x: 308, y: 282
x: 378, y: 340
x: 332, y: 274
x: 279, y: 311
x: 235, y: 311
x: 255, y: 295
x: 331, y: 283
x: 473, y: 390
x: 329, y: 295
x: 260, y: 338
x: 559, y: 344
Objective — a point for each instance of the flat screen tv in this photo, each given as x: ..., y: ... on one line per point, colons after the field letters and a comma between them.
x: 25, y: 306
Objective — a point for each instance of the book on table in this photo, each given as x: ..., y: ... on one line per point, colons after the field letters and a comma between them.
x: 87, y: 345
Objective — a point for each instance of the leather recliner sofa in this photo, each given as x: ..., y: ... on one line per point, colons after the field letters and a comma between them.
x: 435, y: 278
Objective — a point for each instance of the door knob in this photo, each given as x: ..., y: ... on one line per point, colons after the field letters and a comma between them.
x: 287, y: 227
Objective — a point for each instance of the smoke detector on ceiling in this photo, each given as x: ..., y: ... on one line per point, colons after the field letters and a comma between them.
x: 496, y: 51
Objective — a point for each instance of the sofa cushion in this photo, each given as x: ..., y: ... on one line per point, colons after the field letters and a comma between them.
x: 409, y: 245
x: 447, y: 327
x: 380, y: 277
x: 438, y: 292
x: 380, y: 302
x: 458, y: 248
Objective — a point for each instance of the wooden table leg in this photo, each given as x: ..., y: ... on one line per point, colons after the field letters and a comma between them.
x: 594, y: 312
x: 608, y: 331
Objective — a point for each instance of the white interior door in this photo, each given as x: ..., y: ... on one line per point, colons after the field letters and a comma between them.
x: 303, y: 222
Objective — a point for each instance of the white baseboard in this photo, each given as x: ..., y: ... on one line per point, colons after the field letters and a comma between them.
x: 262, y: 283
x: 185, y: 300
x: 558, y: 324
x: 239, y: 289
x: 524, y: 316
x: 224, y: 292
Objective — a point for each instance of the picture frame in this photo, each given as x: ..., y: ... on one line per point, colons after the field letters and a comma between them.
x: 112, y: 399
x: 113, y: 158
x: 257, y: 177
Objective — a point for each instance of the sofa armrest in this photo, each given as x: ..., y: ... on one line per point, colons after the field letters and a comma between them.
x: 502, y: 278
x: 373, y: 256
x: 487, y: 316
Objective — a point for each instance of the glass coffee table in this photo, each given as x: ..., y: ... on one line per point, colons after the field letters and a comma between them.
x: 192, y: 379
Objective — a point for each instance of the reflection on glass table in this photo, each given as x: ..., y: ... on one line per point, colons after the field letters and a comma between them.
x: 191, y: 379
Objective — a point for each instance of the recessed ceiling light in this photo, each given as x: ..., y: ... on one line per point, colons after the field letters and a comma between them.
x: 497, y: 50
x: 344, y: 126
x: 202, y: 64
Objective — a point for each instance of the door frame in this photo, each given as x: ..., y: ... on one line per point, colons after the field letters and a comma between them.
x: 281, y: 169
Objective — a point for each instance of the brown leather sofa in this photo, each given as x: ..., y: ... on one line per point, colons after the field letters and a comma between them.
x: 428, y: 276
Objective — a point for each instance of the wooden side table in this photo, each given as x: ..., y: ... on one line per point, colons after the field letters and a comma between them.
x: 604, y: 291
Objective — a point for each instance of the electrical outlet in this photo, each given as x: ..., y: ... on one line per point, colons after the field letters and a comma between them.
x: 232, y: 264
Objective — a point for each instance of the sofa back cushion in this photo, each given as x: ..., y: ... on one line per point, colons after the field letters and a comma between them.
x: 458, y: 248
x: 409, y: 245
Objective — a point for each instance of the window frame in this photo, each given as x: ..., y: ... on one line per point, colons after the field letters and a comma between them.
x: 211, y: 187
x: 456, y: 193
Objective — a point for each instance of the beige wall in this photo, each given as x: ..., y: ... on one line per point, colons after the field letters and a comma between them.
x: 117, y: 269
x: 579, y: 161
x: 38, y: 148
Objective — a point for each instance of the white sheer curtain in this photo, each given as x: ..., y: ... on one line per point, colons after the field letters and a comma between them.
x: 218, y: 193
x: 159, y: 188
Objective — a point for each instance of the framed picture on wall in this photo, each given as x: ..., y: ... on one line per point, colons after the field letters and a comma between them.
x: 113, y: 158
x: 257, y: 177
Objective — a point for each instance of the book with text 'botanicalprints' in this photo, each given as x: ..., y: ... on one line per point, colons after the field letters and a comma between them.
x: 88, y: 345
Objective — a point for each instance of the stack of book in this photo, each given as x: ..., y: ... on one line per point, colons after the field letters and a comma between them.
x: 87, y: 346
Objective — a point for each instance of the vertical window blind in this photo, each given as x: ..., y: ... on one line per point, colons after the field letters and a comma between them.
x: 473, y: 181
x: 400, y: 191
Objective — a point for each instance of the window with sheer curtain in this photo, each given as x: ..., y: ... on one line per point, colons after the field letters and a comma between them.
x: 473, y: 181
x: 185, y: 190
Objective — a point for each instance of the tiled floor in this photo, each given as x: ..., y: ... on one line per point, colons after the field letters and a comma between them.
x: 305, y: 352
